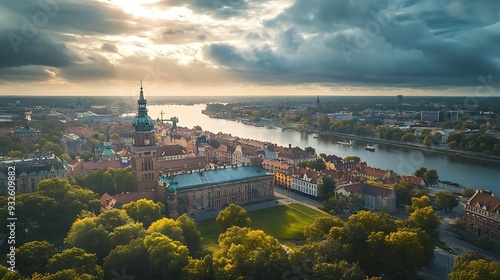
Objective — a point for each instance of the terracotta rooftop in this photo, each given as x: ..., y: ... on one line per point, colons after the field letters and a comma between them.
x: 85, y: 131
x: 310, y: 173
x: 103, y: 164
x: 485, y: 199
x: 272, y: 163
x: 375, y: 172
x: 413, y: 179
x: 170, y: 150
x: 369, y: 189
x: 182, y: 164
x: 118, y: 200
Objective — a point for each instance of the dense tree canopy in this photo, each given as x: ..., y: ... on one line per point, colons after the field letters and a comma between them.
x: 78, y: 260
x: 110, y: 181
x: 33, y: 257
x: 446, y: 200
x: 249, y: 253
x: 474, y: 266
x: 144, y: 211
x: 233, y: 215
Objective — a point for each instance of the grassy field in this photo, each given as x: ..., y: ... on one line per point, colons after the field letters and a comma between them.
x: 284, y: 222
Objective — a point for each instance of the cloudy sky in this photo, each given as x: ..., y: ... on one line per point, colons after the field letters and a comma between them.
x: 229, y: 47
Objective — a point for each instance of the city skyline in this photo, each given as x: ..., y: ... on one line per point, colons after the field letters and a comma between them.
x: 242, y: 47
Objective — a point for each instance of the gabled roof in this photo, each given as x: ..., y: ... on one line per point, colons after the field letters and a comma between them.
x: 170, y: 150
x: 375, y: 172
x: 182, y: 164
x: 369, y: 189
x: 310, y: 173
x: 485, y: 199
x: 118, y: 200
x: 273, y: 163
x: 81, y: 131
x: 103, y: 165
x: 415, y: 180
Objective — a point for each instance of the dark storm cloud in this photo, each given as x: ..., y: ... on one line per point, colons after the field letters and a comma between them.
x: 39, y: 32
x: 80, y: 17
x: 18, y: 50
x: 400, y: 43
x: 24, y: 73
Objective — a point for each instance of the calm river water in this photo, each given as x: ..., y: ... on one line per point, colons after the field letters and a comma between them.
x: 467, y: 172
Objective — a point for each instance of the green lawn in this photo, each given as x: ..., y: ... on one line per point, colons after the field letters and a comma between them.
x: 284, y: 222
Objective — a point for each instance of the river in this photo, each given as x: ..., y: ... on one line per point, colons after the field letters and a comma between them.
x: 467, y: 172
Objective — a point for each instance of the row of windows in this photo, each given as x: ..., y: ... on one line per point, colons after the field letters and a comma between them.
x: 233, y: 190
x: 476, y: 219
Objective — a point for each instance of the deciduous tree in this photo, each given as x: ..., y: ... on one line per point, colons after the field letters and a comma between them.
x: 33, y: 257
x: 233, y: 215
x: 144, y: 211
x: 249, y: 253
x: 76, y: 259
x: 446, y: 200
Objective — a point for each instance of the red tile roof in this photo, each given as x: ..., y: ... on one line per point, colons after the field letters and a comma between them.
x: 101, y: 165
x: 170, y: 150
x: 118, y: 200
x: 375, y: 172
x: 485, y: 199
x: 310, y: 173
x: 182, y: 164
x: 419, y: 181
x: 81, y: 131
x: 275, y: 164
x: 369, y: 189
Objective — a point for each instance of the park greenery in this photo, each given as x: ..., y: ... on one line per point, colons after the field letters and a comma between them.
x: 67, y: 235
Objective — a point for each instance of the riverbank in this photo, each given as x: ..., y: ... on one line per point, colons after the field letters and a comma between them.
x: 420, y: 147
x: 425, y: 149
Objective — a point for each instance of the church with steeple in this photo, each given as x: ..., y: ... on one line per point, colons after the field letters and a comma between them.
x: 143, y: 151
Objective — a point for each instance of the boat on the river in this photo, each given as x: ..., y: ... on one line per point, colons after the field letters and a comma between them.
x: 344, y: 143
x: 370, y: 148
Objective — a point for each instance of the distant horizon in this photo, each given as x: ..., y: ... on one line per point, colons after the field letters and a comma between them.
x: 250, y: 48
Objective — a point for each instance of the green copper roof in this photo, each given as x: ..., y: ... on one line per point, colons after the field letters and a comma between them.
x: 108, y: 153
x: 171, y: 189
x: 219, y: 176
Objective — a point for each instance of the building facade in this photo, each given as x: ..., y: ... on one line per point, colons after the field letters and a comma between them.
x: 306, y: 181
x: 27, y: 134
x: 482, y: 214
x: 211, y: 190
x: 282, y: 172
x: 375, y: 198
x: 30, y: 172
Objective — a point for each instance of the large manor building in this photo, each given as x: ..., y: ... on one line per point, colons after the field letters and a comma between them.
x: 195, y: 190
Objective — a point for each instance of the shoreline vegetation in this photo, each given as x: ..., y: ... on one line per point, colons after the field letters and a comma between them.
x: 423, y: 148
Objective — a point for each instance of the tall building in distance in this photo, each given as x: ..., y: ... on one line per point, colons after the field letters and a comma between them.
x: 399, y: 101
x: 143, y: 150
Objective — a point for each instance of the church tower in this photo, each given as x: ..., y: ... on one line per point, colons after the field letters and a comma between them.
x: 144, y: 162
